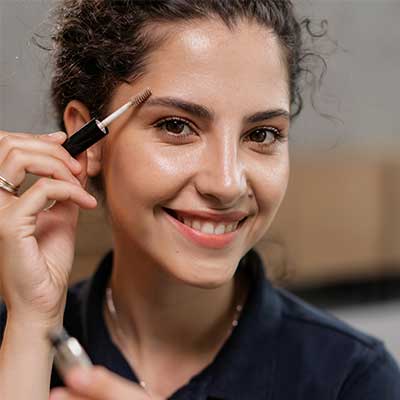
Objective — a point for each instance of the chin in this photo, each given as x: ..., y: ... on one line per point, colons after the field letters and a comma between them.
x: 205, y: 275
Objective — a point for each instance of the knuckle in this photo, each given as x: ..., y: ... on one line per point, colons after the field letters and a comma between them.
x: 15, y: 155
x: 6, y: 142
x: 44, y: 183
x: 61, y: 153
x: 58, y: 152
x: 62, y: 171
x: 58, y: 164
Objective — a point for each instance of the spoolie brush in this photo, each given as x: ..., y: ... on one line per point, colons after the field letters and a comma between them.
x: 96, y: 130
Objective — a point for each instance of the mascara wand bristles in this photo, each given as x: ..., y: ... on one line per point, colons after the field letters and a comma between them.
x: 134, y: 102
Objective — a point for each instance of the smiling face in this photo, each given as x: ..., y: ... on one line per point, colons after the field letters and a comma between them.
x: 195, y: 176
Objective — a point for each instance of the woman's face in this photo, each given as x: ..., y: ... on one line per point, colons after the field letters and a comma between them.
x: 195, y: 176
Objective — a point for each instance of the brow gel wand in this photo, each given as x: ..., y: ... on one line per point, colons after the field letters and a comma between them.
x: 96, y: 130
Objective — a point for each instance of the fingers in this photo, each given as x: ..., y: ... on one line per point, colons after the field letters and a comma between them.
x: 52, y: 135
x: 44, y: 190
x: 19, y: 162
x: 11, y: 146
x: 40, y: 155
x: 65, y: 394
x: 98, y: 383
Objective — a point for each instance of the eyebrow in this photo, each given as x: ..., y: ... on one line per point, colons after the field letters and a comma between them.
x: 203, y: 112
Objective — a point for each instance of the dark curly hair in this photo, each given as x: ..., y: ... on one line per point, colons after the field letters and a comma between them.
x: 99, y: 44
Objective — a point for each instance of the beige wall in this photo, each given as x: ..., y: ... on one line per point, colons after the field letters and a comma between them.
x: 340, y: 218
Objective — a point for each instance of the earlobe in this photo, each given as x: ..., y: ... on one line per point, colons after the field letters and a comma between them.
x: 76, y: 115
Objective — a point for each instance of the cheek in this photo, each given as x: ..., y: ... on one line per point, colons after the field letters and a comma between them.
x: 270, y: 184
x: 148, y: 173
x: 269, y: 188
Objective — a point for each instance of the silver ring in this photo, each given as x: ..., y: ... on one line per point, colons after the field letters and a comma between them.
x: 8, y: 186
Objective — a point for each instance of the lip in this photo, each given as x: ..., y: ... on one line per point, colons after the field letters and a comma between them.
x: 203, y: 239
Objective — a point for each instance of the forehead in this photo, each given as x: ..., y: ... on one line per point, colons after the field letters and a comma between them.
x: 211, y: 63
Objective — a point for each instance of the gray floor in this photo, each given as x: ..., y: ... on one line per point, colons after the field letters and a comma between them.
x: 380, y: 320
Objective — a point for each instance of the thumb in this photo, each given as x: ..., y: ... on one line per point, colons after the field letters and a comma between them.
x: 101, y: 384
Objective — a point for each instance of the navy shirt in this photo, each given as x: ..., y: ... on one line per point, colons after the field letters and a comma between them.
x: 282, y: 348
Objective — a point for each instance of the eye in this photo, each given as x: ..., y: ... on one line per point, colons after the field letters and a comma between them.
x: 265, y: 136
x: 175, y: 126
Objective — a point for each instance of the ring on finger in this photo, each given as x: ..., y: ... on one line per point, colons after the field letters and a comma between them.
x: 50, y: 206
x: 8, y: 186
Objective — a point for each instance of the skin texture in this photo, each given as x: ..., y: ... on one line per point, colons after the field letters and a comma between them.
x: 97, y: 383
x: 174, y: 297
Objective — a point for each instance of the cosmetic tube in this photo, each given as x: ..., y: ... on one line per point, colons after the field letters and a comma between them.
x: 68, y: 352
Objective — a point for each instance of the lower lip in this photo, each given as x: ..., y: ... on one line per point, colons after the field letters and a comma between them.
x: 203, y: 239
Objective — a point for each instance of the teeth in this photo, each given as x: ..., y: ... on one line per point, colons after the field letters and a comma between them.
x: 209, y: 228
x: 187, y: 221
x: 196, y: 225
x: 220, y: 229
x: 229, y: 228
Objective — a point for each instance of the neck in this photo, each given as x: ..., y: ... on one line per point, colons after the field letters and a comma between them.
x: 158, y: 313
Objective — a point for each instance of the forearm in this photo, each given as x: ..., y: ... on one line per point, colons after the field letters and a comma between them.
x: 25, y: 362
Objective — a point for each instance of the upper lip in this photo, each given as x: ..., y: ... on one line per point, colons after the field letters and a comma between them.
x: 229, y: 217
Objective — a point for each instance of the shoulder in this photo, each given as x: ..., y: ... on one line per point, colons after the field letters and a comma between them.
x: 296, y: 312
x: 355, y: 364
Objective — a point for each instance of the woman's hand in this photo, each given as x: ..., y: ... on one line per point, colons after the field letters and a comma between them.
x: 97, y: 383
x: 36, y: 246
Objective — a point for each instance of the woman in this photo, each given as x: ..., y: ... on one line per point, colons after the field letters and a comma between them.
x: 192, y: 180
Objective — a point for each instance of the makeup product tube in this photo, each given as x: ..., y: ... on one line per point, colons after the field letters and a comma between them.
x: 68, y: 352
x: 96, y: 130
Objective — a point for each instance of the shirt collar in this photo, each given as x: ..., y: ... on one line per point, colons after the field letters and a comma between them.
x: 245, y: 366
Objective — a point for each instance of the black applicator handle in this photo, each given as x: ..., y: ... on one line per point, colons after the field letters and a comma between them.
x: 95, y: 130
x: 85, y: 137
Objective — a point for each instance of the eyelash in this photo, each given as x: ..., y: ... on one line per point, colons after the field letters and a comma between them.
x: 182, y: 136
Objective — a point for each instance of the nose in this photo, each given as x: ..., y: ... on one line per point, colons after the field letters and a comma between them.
x: 222, y: 177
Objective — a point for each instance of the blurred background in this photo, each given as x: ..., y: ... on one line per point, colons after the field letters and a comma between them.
x: 335, y: 241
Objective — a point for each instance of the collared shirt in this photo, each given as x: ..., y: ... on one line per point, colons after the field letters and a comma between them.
x: 282, y: 348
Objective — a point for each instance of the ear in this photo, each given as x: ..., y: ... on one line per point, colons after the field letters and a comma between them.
x: 76, y: 115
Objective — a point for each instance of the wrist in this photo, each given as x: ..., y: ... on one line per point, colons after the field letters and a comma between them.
x: 27, y: 317
x: 32, y: 324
